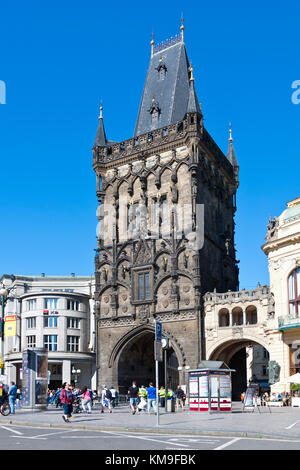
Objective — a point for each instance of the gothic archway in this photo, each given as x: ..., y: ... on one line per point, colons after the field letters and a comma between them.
x: 135, y: 361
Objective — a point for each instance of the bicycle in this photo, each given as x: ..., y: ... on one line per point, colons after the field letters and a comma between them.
x: 5, y: 408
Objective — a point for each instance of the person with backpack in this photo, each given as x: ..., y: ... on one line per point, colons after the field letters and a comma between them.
x: 66, y: 398
x: 106, y: 397
x: 12, y: 396
x: 57, y: 397
x: 179, y: 394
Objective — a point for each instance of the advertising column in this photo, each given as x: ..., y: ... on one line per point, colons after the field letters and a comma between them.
x: 35, y: 378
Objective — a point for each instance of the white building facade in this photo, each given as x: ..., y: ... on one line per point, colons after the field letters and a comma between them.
x: 283, y: 250
x: 56, y: 313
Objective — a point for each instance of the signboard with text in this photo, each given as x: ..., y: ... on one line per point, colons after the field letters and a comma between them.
x: 10, y: 325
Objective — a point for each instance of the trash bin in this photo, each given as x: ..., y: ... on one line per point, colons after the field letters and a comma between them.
x: 170, y: 405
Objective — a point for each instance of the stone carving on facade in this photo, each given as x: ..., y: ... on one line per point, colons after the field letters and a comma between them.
x: 237, y: 332
x: 272, y: 228
x: 143, y: 314
x: 274, y: 372
x: 271, y: 307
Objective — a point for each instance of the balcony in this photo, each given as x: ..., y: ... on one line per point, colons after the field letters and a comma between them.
x: 289, y: 321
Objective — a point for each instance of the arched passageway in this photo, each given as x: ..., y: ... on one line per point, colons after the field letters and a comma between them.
x: 136, y: 362
x: 235, y: 353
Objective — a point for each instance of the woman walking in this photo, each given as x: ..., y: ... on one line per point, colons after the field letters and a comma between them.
x: 66, y: 399
x: 86, y: 400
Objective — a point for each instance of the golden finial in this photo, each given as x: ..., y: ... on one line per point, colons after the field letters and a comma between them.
x: 101, y: 108
x: 153, y: 98
x: 152, y: 44
x: 230, y: 133
x: 182, y: 28
x: 160, y: 58
x: 191, y: 70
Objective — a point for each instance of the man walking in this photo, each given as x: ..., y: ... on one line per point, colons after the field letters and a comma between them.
x: 179, y: 393
x: 12, y: 396
x: 113, y: 396
x: 133, y: 393
x: 106, y: 399
x: 151, y: 392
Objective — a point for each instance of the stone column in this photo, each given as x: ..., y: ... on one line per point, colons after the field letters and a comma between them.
x: 66, y: 371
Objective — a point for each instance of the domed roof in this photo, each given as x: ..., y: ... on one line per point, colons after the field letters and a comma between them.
x: 292, y: 212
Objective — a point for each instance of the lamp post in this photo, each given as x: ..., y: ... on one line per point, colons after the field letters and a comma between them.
x: 165, y: 346
x: 187, y: 385
x: 75, y: 372
x: 3, y: 295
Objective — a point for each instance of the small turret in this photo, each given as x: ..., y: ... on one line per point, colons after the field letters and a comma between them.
x: 100, y: 140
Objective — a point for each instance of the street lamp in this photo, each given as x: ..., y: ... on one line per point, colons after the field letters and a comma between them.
x: 165, y: 346
x: 75, y: 372
x: 3, y: 295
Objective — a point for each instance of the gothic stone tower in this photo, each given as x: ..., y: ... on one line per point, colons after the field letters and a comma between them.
x: 157, y: 191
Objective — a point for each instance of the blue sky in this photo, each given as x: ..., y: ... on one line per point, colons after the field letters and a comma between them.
x: 59, y: 59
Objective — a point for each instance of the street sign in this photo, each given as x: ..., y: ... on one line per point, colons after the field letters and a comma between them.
x: 158, y: 351
x: 158, y: 331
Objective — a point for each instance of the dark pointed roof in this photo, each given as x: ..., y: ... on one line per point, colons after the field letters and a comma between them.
x: 168, y: 84
x: 100, y: 140
x: 193, y: 104
x: 231, y: 152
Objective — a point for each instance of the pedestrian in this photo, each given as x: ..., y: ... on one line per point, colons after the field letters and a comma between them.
x: 179, y: 393
x: 66, y: 399
x: 142, y: 392
x: 12, y: 396
x: 113, y: 396
x: 57, y: 397
x: 86, y: 400
x: 142, y: 405
x: 18, y: 399
x: 162, y: 396
x: 133, y: 394
x: 106, y: 399
x: 151, y: 394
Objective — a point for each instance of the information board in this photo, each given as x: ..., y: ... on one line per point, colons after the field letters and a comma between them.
x: 193, y: 386
x: 203, y: 386
x: 249, y: 398
x: 225, y: 386
x: 214, y: 386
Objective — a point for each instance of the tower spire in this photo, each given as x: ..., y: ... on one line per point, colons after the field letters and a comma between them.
x: 101, y: 109
x: 100, y: 140
x: 191, y: 71
x: 230, y: 133
x: 152, y: 44
x: 231, y: 152
x: 182, y: 28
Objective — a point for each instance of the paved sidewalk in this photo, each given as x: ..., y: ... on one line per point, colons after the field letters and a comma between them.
x: 280, y: 423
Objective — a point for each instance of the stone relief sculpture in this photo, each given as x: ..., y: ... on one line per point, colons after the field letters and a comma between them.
x: 271, y: 228
x: 274, y: 372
